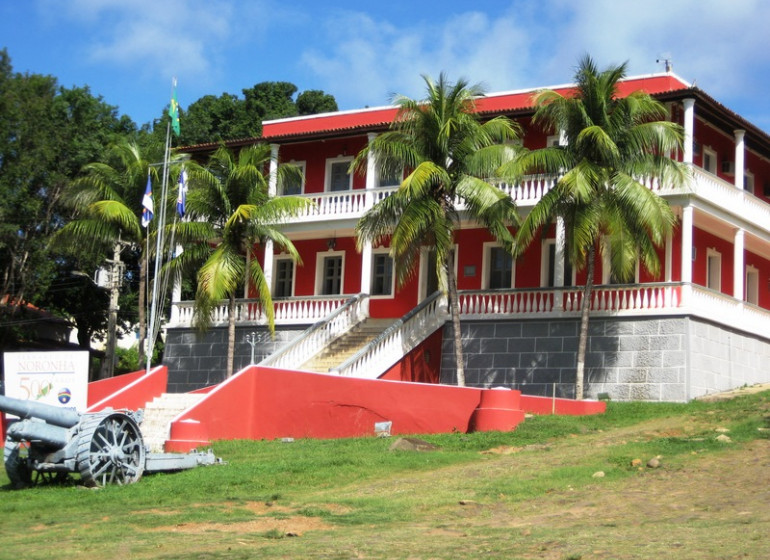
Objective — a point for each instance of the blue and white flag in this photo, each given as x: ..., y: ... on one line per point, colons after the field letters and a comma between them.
x: 147, y: 206
x: 182, y: 196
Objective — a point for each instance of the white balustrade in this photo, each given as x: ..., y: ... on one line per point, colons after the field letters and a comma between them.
x: 311, y: 341
x: 289, y: 311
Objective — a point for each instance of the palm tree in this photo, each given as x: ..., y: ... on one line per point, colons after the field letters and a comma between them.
x: 231, y: 211
x: 107, y: 203
x: 449, y: 155
x: 612, y: 146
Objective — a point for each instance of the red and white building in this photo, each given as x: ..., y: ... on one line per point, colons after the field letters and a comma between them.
x: 702, y: 326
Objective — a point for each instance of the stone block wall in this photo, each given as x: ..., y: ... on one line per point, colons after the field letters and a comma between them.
x: 723, y: 359
x: 197, y: 360
x: 645, y: 358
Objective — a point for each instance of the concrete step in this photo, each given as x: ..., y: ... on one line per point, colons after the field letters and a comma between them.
x: 159, y: 413
x: 345, y: 346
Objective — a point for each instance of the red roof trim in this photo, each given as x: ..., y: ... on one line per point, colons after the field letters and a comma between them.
x: 493, y: 103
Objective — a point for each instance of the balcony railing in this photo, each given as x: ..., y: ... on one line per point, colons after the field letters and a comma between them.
x: 527, y: 192
x: 288, y: 311
x: 635, y: 299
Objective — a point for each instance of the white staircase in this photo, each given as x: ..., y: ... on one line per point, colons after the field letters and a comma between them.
x: 156, y: 425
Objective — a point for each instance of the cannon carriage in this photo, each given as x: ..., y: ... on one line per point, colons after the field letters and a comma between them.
x: 107, y: 447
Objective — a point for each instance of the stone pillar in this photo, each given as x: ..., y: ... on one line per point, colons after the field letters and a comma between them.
x: 668, y: 274
x: 740, y: 158
x: 738, y: 263
x: 689, y: 128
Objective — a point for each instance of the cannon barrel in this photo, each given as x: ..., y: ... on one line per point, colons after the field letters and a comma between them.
x: 32, y: 430
x: 63, y: 417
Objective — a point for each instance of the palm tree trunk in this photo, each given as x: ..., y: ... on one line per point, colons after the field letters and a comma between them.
x: 230, y: 335
x: 584, y: 313
x: 454, y: 310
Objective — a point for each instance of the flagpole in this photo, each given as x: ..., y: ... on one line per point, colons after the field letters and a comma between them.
x: 160, y: 230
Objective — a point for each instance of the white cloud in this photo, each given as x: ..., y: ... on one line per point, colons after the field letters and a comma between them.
x: 720, y: 44
x: 160, y: 39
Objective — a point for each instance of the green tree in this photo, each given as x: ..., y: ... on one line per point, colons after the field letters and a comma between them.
x: 449, y: 155
x: 313, y: 101
x: 107, y: 200
x: 271, y: 100
x: 230, y: 211
x: 612, y: 145
x: 216, y: 119
x: 47, y: 134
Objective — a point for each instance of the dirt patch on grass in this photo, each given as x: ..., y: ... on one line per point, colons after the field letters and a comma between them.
x: 290, y: 526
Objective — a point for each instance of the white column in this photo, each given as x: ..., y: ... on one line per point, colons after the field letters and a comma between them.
x: 272, y: 188
x: 371, y: 178
x: 740, y: 158
x: 668, y: 274
x: 738, y: 263
x: 366, y: 268
x: 689, y: 127
x: 687, y: 226
x: 558, y: 260
x: 371, y: 185
x: 267, y: 265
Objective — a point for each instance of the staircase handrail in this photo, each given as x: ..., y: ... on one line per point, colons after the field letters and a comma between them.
x: 315, y: 337
x: 401, y: 333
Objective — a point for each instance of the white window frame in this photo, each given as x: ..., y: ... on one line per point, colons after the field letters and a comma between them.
x: 319, y: 271
x: 391, y: 295
x: 423, y: 273
x: 751, y: 293
x: 303, y: 167
x: 707, y: 151
x: 486, y: 264
x: 328, y: 174
x: 553, y: 140
x: 276, y: 260
x: 380, y: 184
x: 713, y: 256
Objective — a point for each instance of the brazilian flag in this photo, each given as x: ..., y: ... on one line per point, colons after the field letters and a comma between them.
x: 173, y: 112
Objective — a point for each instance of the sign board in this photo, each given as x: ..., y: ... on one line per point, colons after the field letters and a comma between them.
x: 56, y: 378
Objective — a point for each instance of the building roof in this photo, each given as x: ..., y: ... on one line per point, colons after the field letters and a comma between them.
x: 663, y: 86
x: 327, y: 124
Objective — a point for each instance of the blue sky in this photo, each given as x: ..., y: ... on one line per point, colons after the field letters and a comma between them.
x: 361, y: 52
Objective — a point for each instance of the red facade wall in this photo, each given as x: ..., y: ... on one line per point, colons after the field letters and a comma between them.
x: 702, y: 242
x: 421, y: 365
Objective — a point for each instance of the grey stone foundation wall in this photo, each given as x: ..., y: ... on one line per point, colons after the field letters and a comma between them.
x: 722, y: 359
x: 670, y: 359
x: 651, y: 359
x: 197, y: 360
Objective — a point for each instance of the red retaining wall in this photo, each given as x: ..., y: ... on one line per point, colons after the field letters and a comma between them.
x: 135, y: 391
x: 567, y: 407
x: 268, y: 403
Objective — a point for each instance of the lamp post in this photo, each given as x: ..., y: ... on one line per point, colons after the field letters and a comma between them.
x: 252, y: 340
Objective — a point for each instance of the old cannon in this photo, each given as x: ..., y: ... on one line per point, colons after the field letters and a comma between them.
x: 103, y: 447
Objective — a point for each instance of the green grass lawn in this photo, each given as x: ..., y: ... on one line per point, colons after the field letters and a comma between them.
x: 354, y: 498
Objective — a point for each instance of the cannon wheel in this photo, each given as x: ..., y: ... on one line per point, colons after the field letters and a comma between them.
x: 16, y: 464
x: 110, y: 450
